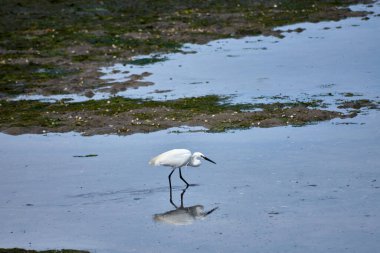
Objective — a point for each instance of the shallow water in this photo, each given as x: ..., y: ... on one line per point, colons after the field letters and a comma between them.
x: 343, y: 58
x: 284, y: 189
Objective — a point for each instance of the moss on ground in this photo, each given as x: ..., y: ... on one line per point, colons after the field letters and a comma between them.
x: 18, y: 78
x: 83, y: 35
x: 126, y: 116
x: 358, y: 104
x: 146, y: 61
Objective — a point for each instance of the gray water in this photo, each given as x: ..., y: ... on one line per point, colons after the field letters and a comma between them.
x: 283, y: 189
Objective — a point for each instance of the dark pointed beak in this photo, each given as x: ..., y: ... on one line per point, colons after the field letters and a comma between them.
x: 208, y: 159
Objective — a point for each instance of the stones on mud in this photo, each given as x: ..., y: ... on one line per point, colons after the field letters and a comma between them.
x: 89, y: 93
x: 86, y: 46
x: 128, y: 116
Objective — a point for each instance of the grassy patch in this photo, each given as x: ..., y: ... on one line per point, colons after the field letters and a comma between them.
x: 125, y: 116
x: 358, y: 104
x: 61, y: 33
x: 18, y: 78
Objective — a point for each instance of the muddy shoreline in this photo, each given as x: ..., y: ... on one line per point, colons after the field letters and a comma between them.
x: 62, y: 46
x: 59, y: 48
x: 125, y: 116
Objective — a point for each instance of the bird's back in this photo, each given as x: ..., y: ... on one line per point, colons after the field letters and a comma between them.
x: 174, y: 158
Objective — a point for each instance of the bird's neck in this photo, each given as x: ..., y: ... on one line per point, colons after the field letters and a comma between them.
x: 194, y: 161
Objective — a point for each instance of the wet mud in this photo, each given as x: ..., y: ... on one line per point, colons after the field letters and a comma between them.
x: 61, y: 47
x: 128, y: 116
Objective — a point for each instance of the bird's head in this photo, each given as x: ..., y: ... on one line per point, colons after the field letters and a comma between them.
x: 200, y: 155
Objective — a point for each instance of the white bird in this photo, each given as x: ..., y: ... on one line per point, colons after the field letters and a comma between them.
x: 177, y: 158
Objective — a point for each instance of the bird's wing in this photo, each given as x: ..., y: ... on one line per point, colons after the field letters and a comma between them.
x: 173, y: 158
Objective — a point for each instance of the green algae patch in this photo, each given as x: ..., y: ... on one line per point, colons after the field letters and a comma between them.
x: 146, y: 61
x: 127, y: 116
x: 19, y: 78
x: 358, y: 104
x: 71, y: 39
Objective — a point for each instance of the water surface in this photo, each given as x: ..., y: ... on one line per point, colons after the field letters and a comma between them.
x: 284, y: 189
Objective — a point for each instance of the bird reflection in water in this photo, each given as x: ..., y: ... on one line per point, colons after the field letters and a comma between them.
x: 182, y: 215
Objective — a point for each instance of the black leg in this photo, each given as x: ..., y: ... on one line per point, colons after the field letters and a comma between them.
x: 170, y: 185
x: 180, y: 175
x: 183, y: 192
x: 170, y: 181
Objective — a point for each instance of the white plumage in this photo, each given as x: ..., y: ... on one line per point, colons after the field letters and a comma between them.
x: 174, y: 158
x: 177, y: 158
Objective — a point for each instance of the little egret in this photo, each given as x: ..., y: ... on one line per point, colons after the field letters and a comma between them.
x: 177, y: 158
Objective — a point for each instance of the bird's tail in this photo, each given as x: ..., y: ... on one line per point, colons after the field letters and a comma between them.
x: 153, y: 161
